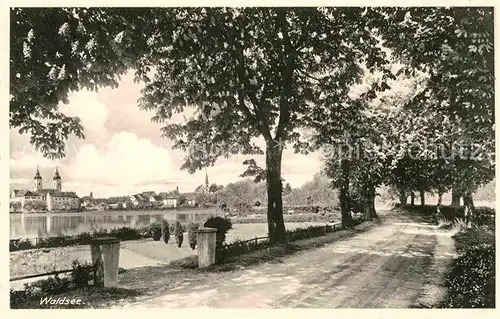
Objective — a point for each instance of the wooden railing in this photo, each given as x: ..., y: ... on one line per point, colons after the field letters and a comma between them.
x: 42, y: 275
x: 329, y: 228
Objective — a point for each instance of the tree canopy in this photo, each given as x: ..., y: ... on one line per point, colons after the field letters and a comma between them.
x: 266, y: 72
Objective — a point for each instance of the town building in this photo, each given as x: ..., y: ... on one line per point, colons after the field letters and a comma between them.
x: 203, y: 189
x: 89, y: 202
x: 139, y: 201
x: 170, y: 201
x: 46, y: 199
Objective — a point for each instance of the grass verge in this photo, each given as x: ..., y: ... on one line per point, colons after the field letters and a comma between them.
x: 471, y: 281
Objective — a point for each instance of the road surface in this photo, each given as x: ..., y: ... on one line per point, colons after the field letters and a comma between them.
x: 397, y: 264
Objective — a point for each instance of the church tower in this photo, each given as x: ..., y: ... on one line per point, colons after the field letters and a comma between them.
x: 56, y: 181
x: 37, y: 181
x: 207, y: 187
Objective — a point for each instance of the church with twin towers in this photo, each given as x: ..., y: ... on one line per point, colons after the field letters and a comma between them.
x: 46, y: 199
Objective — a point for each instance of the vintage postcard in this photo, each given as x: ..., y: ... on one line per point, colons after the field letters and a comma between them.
x: 320, y: 157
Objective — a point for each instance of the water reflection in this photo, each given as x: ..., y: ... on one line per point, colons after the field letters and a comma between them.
x: 50, y: 225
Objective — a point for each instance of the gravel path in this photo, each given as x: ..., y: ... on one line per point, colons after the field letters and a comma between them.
x: 395, y: 265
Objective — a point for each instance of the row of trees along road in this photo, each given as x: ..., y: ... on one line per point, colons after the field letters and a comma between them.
x: 257, y: 72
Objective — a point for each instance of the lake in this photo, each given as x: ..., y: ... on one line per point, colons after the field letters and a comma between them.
x: 59, y: 224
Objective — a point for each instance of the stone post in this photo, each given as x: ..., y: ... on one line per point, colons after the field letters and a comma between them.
x: 105, y: 252
x: 205, y: 240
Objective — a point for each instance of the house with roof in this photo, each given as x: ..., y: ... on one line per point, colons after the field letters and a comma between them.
x: 139, y: 201
x: 89, y: 202
x: 170, y: 201
x: 46, y: 199
x: 156, y: 200
x: 190, y: 199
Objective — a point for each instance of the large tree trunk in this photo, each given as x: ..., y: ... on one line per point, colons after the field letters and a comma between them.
x: 403, y: 197
x: 412, y: 198
x: 422, y: 198
x: 455, y: 199
x: 440, y: 198
x: 275, y: 222
x: 345, y: 203
x: 468, y: 209
x: 372, y: 202
x: 367, y: 210
x: 369, y: 203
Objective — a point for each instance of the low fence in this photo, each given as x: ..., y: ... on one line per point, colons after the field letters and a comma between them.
x: 240, y: 247
x: 58, y: 272
x: 253, y: 241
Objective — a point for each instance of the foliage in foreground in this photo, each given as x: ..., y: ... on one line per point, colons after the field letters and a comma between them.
x: 79, y: 285
x: 81, y: 277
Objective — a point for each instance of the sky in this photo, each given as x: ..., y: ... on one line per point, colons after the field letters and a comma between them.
x: 123, y: 152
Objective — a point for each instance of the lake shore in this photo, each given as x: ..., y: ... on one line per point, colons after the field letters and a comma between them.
x: 133, y: 253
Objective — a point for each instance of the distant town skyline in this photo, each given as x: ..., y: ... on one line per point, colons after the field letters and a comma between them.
x: 123, y: 152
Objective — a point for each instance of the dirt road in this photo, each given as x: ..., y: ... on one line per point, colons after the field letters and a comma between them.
x: 398, y: 264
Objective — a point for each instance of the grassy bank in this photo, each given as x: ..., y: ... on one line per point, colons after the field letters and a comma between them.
x: 471, y: 281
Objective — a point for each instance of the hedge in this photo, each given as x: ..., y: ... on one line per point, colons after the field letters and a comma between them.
x: 122, y: 234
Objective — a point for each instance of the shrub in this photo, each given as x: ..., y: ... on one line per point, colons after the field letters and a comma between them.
x: 82, y: 274
x: 165, y: 231
x: 179, y: 234
x: 192, y: 228
x: 156, y: 231
x: 52, y: 285
x: 123, y: 233
x: 20, y: 244
x: 223, y: 225
x: 484, y: 216
x: 173, y: 227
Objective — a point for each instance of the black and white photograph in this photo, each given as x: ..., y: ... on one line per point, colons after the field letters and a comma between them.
x: 336, y: 157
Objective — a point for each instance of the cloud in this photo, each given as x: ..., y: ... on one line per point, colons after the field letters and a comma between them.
x: 21, y: 162
x: 126, y: 160
x: 86, y: 105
